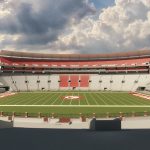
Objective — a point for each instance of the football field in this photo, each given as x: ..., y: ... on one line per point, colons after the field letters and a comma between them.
x: 71, y: 103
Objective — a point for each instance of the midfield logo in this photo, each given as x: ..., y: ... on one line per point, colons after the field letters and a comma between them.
x: 71, y: 97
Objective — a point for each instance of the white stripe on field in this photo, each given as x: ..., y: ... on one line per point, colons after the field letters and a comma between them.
x: 140, y: 106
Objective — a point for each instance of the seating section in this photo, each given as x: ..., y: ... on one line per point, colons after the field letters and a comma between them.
x: 80, y: 81
x: 64, y: 81
x: 54, y: 84
x: 74, y: 64
x: 19, y: 84
x: 122, y: 74
x: 118, y: 82
x: 43, y: 85
x: 31, y: 82
x: 74, y: 80
x: 84, y: 81
x: 7, y: 80
x: 32, y: 85
x: 98, y: 82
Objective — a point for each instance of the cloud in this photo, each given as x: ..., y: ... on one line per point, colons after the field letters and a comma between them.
x: 122, y: 27
x: 75, y: 26
x: 37, y: 22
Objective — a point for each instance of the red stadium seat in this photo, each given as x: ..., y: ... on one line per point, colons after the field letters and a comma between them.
x: 74, y: 80
x: 64, y: 80
x: 84, y: 80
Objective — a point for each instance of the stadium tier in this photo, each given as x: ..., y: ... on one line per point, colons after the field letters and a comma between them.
x: 23, y: 71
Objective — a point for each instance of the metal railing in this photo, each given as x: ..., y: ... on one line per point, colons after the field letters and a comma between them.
x: 75, y: 115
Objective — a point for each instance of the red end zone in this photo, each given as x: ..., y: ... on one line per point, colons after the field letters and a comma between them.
x: 6, y: 94
x: 141, y: 95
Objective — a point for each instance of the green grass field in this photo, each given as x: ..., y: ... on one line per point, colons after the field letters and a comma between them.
x: 88, y: 103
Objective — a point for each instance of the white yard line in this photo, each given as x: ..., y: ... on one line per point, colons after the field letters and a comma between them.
x: 71, y: 99
x: 42, y: 99
x: 66, y: 94
x: 105, y: 97
x: 56, y: 99
x: 48, y: 100
x: 94, y: 99
x: 62, y: 100
x: 86, y: 99
x: 32, y: 101
x: 131, y: 101
x: 114, y: 100
x: 124, y: 101
x: 10, y: 102
x: 20, y: 100
x: 140, y: 106
x: 79, y: 98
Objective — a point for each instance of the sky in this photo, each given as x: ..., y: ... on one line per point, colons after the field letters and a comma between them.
x: 74, y: 26
x: 99, y: 4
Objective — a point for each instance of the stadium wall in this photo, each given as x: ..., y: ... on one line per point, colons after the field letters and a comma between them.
x: 96, y: 82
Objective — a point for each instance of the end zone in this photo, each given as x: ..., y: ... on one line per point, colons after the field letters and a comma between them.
x: 6, y: 94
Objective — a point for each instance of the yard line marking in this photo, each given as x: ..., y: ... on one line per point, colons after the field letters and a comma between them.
x: 35, y: 102
x: 114, y: 99
x: 56, y: 99
x: 63, y: 100
x: 101, y: 99
x: 125, y: 99
x: 71, y: 99
x: 14, y: 99
x: 106, y: 98
x: 48, y: 100
x: 138, y: 100
x: 94, y: 99
x: 132, y: 106
x: 79, y: 98
x: 74, y: 100
x: 66, y: 94
x: 35, y: 99
x: 86, y: 99
x: 58, y: 95
x: 24, y: 100
x: 45, y: 99
x: 19, y: 100
x: 103, y: 95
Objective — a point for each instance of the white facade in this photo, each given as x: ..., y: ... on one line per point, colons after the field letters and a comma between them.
x: 123, y: 82
x: 31, y: 82
x: 119, y: 82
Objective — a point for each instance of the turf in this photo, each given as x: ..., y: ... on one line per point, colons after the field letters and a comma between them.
x: 89, y: 102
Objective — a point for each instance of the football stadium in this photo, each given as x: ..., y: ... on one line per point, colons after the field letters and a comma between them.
x: 71, y: 85
x: 74, y: 74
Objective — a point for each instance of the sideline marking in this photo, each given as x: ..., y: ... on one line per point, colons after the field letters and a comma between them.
x: 140, y: 106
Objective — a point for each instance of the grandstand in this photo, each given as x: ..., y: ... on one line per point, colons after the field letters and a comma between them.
x: 23, y: 71
x: 75, y: 77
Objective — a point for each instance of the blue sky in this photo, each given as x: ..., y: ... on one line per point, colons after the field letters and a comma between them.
x: 102, y: 3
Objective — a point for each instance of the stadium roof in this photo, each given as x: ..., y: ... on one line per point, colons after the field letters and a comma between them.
x: 108, y: 56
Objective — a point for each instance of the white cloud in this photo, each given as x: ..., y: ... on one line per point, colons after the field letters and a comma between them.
x: 38, y: 24
x: 122, y: 27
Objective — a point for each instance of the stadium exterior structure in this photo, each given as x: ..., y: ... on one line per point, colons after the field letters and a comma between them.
x: 24, y: 71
